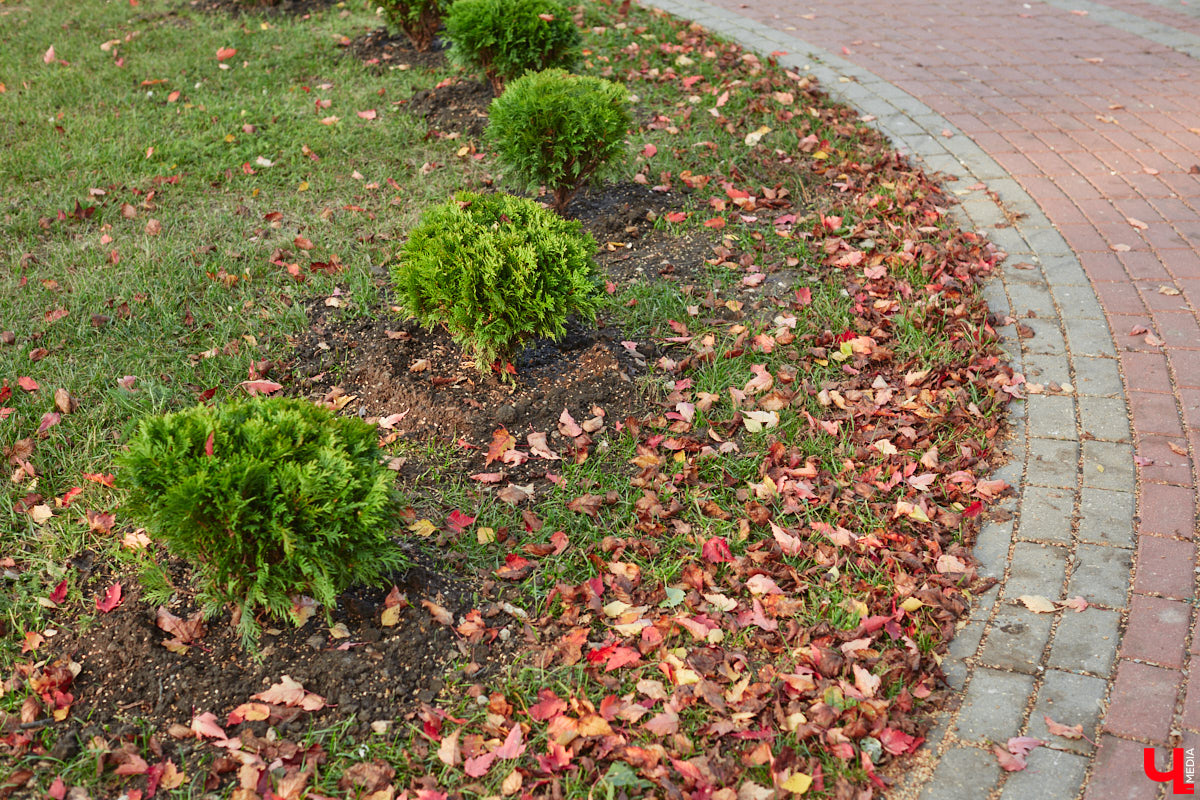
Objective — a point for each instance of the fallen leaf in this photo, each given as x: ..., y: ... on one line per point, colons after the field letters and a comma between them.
x: 1076, y: 603
x: 249, y: 712
x: 111, y: 599
x: 1065, y: 731
x: 1037, y: 604
x: 448, y: 751
x: 512, y: 747
x: 439, y: 614
x: 1008, y: 761
x: 205, y: 725
x: 289, y: 692
x: 260, y: 387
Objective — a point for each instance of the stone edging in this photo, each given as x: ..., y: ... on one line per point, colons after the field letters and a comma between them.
x: 1071, y: 531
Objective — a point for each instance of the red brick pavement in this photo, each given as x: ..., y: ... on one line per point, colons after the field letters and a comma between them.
x: 1102, y: 128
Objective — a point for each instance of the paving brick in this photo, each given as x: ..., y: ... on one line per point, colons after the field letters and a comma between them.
x: 1107, y: 465
x: 991, y: 548
x: 1098, y: 376
x: 966, y: 640
x: 1106, y: 517
x: 1162, y: 464
x: 1167, y: 510
x: 1046, y: 369
x: 1087, y: 641
x: 963, y: 773
x: 1152, y: 412
x: 1117, y: 773
x: 1047, y: 337
x: 993, y: 706
x: 1104, y: 418
x: 1101, y: 574
x: 1035, y: 569
x: 1048, y: 775
x: 1051, y: 416
x: 1071, y: 700
x: 1142, y: 701
x: 1016, y: 639
x: 1191, y: 702
x: 1046, y: 514
x: 1088, y: 337
x: 1165, y: 567
x: 1053, y: 463
x: 1156, y: 630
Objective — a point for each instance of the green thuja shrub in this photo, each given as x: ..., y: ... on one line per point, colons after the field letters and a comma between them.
x: 506, y: 38
x: 558, y: 130
x: 266, y: 499
x: 419, y: 19
x: 496, y: 270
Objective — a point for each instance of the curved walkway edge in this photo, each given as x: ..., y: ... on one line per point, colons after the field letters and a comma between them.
x: 1072, y: 526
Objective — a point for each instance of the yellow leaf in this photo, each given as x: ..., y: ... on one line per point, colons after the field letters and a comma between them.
x: 390, y: 616
x: 485, y: 535
x: 798, y: 783
x: 911, y: 604
x: 423, y: 527
x: 512, y: 784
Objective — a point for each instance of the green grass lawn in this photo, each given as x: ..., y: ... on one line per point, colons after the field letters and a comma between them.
x: 154, y: 187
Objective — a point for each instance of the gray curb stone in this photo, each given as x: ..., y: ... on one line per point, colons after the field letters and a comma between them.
x: 1049, y: 468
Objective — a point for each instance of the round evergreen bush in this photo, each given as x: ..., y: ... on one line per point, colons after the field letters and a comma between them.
x: 419, y: 19
x: 267, y: 498
x: 497, y: 271
x: 506, y: 38
x: 558, y: 130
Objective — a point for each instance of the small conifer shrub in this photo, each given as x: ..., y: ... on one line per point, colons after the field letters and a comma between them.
x: 419, y: 19
x: 506, y: 38
x: 267, y: 499
x: 497, y: 271
x: 558, y: 130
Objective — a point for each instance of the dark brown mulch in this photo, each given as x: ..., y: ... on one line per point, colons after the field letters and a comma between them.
x: 454, y: 106
x: 426, y: 376
x: 375, y: 673
x: 295, y: 8
x: 382, y: 50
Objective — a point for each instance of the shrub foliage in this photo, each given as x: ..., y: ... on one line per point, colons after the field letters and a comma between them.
x: 496, y: 270
x: 419, y: 19
x: 506, y: 38
x: 558, y: 130
x: 267, y: 499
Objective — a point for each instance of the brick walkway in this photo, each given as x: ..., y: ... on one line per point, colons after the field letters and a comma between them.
x: 1083, y: 117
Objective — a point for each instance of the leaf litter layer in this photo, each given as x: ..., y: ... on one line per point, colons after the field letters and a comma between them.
x: 741, y: 590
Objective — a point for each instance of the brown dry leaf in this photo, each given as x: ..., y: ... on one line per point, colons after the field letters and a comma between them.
x: 185, y: 631
x: 511, y: 783
x: 1065, y: 731
x: 1038, y: 604
x: 448, y: 751
x: 289, y: 692
x: 439, y: 613
x: 586, y: 504
x: 370, y: 776
x: 63, y: 402
x: 1176, y: 449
